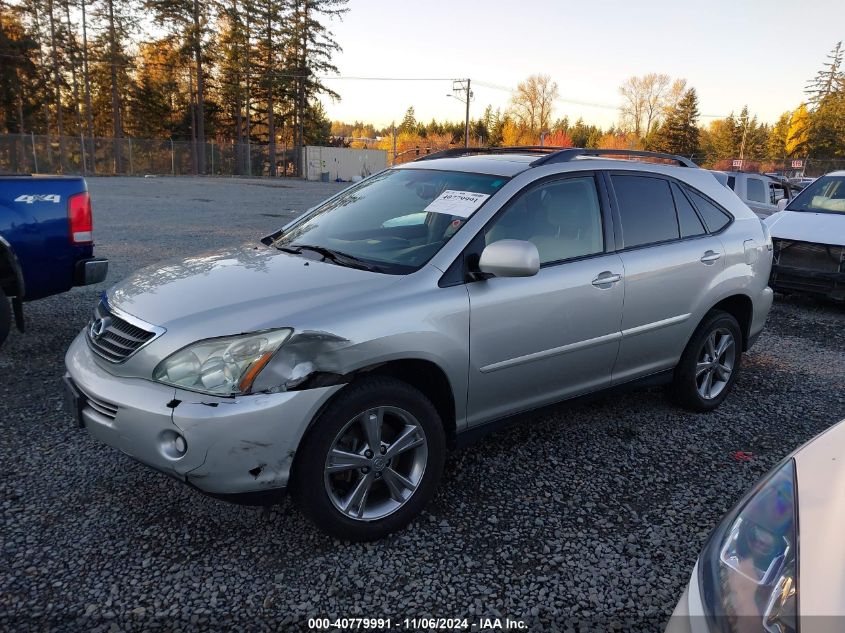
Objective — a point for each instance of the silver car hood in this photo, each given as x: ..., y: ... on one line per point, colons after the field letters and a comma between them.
x: 805, y: 226
x: 238, y: 290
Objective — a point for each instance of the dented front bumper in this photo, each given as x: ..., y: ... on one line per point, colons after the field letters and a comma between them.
x: 237, y: 447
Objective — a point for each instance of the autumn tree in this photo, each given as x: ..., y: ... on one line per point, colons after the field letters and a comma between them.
x: 532, y: 103
x: 778, y: 137
x: 797, y: 134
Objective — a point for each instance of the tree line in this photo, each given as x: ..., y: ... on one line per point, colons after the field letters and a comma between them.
x: 246, y: 71
x: 657, y: 112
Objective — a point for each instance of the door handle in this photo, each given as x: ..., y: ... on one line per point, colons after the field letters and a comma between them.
x: 606, y: 278
x: 710, y: 256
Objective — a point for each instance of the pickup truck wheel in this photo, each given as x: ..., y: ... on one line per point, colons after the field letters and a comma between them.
x: 710, y: 363
x: 5, y: 316
x: 371, y: 462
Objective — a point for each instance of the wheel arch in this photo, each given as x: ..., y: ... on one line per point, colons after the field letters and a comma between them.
x: 425, y: 375
x: 11, y: 274
x: 740, y: 307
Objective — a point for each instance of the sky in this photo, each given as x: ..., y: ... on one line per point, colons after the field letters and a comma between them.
x: 734, y: 52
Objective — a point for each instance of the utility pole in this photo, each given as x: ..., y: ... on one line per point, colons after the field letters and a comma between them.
x: 463, y: 85
x: 466, y: 124
x: 744, y: 132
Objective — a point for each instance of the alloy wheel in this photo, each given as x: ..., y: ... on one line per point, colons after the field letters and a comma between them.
x: 715, y: 363
x: 376, y: 463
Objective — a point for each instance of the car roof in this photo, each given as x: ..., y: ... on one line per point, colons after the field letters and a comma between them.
x: 511, y: 164
x: 507, y: 165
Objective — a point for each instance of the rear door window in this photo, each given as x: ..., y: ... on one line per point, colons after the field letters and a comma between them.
x: 646, y: 209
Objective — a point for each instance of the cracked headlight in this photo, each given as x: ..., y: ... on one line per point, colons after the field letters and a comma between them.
x: 224, y: 366
x: 749, y: 570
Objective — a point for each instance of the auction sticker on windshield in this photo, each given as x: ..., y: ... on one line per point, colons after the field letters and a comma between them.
x: 458, y: 203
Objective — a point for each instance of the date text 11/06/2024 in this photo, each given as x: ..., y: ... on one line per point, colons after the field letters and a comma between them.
x: 417, y: 624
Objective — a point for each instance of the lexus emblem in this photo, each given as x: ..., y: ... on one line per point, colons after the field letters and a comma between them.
x: 98, y: 326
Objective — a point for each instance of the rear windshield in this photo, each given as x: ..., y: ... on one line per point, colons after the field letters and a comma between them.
x: 396, y: 220
x: 825, y: 195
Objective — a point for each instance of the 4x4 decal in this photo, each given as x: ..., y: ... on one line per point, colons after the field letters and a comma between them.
x: 32, y: 198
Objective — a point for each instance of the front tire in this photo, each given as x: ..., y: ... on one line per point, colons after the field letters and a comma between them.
x: 371, y: 462
x: 710, y: 363
x: 5, y: 316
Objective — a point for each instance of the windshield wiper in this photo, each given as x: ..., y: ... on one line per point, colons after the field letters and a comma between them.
x: 341, y: 259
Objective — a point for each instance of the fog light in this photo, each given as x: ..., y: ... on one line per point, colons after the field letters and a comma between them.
x: 180, y: 445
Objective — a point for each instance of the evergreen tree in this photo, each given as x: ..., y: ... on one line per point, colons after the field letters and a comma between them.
x: 679, y: 133
x: 409, y: 122
x: 830, y: 79
x: 188, y: 20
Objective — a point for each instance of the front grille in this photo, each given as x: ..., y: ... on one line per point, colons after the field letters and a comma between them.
x: 114, y: 338
x: 818, y: 257
x: 102, y: 407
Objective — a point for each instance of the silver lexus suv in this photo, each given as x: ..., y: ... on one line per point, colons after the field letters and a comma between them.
x: 341, y: 357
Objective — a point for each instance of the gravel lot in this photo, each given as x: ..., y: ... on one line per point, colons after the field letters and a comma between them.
x: 590, y: 513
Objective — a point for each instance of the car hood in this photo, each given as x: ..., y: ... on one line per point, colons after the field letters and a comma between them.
x: 804, y: 226
x: 820, y: 474
x: 239, y: 289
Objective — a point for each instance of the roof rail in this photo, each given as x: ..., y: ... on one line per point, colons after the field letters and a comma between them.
x: 453, y: 152
x: 566, y: 155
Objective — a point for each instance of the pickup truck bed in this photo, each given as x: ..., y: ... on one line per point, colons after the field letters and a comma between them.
x: 46, y: 241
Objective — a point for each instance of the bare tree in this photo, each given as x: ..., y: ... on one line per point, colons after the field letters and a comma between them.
x: 674, y: 95
x: 643, y: 102
x: 533, y: 101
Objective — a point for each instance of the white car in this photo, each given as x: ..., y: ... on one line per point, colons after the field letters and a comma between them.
x: 809, y: 240
x: 776, y: 562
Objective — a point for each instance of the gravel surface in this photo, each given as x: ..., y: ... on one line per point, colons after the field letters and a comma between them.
x: 591, y: 513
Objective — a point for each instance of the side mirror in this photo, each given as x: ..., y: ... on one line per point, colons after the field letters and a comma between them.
x: 782, y: 204
x: 510, y: 258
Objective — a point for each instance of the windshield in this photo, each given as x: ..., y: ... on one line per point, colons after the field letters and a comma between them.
x: 395, y: 221
x: 825, y: 195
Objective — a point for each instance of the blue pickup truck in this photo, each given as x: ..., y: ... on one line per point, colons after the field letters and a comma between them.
x: 46, y: 242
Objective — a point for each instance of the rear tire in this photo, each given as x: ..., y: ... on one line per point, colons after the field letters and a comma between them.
x: 371, y: 462
x: 710, y: 363
x: 5, y: 316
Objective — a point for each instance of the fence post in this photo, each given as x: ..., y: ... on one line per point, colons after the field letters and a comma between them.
x: 212, y: 157
x: 82, y: 147
x: 34, y: 155
x: 248, y: 157
x: 172, y: 159
x: 130, y: 156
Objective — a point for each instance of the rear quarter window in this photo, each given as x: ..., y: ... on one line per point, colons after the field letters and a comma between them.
x: 715, y: 218
x: 687, y: 217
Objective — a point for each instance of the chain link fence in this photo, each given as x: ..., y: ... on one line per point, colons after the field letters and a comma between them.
x: 39, y: 154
